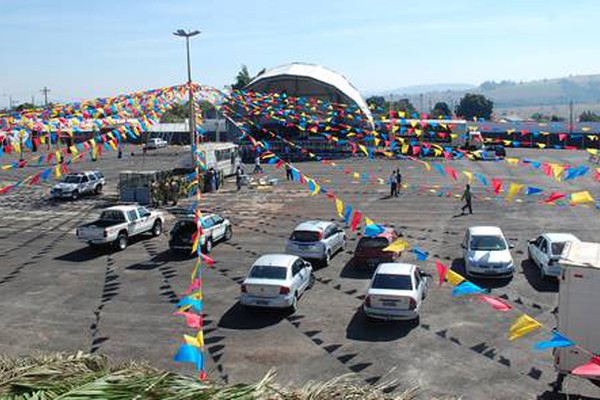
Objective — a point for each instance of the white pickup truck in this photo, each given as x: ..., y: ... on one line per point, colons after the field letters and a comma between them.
x: 119, y: 223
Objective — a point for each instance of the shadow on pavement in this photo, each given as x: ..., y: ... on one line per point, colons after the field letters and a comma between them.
x: 88, y: 253
x: 351, y: 271
x: 363, y: 329
x: 242, y: 318
x: 458, y: 265
x: 533, y: 276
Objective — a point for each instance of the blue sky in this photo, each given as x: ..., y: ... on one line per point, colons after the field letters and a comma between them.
x: 83, y: 49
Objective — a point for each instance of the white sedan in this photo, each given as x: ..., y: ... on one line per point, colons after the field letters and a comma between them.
x: 396, y: 292
x: 545, y: 252
x: 276, y: 281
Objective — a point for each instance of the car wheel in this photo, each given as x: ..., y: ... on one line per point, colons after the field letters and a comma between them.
x: 311, y: 281
x: 157, y: 228
x: 74, y: 195
x: 228, y: 233
x: 327, y: 258
x: 208, y: 246
x: 294, y: 305
x: 121, y: 241
x: 98, y: 189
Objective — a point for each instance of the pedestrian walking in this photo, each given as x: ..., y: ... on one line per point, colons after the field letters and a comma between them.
x: 257, y: 168
x: 217, y: 179
x: 288, y: 172
x: 467, y: 197
x: 398, y: 182
x: 238, y: 177
x: 213, y: 180
x: 154, y: 193
x: 393, y: 185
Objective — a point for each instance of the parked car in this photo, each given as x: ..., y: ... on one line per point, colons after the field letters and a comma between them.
x: 316, y: 240
x: 156, y: 143
x: 487, y: 253
x: 214, y: 229
x: 490, y: 152
x: 76, y: 184
x: 118, y: 224
x: 545, y: 252
x: 396, y: 292
x: 276, y: 281
x: 369, y: 249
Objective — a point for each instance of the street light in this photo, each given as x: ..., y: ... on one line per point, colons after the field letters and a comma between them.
x: 187, y: 36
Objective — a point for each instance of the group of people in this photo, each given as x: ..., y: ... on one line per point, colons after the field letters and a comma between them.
x: 162, y: 191
x: 395, y: 183
x: 212, y: 180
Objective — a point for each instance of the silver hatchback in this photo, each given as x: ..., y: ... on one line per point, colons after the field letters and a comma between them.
x: 316, y: 240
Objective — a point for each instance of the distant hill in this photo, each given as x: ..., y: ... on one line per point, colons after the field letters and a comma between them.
x: 438, y: 87
x: 521, y: 98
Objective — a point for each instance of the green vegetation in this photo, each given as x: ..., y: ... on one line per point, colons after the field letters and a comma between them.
x: 91, y: 377
x: 243, y: 78
x: 589, y: 116
x: 475, y: 106
x: 540, y: 117
x: 441, y: 108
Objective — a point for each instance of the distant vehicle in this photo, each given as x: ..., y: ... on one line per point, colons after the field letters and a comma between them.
x: 487, y: 253
x: 316, y: 240
x: 225, y: 157
x: 545, y: 252
x: 214, y: 229
x: 369, y: 250
x: 396, y: 292
x: 156, y: 143
x: 578, y: 304
x: 470, y: 141
x: 118, y: 224
x: 276, y: 281
x: 489, y: 153
x: 77, y: 184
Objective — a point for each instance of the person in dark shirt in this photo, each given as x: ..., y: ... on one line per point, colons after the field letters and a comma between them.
x: 467, y: 197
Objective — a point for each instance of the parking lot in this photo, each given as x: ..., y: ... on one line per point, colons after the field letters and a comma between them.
x: 57, y: 294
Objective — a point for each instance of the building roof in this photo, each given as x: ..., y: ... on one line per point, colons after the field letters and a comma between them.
x: 301, y: 71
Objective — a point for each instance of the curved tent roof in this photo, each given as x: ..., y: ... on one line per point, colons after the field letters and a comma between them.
x: 309, y: 80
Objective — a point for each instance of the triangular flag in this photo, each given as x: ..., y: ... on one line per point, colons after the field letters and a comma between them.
x: 453, y: 278
x: 466, y: 288
x: 442, y: 271
x: 496, y: 303
x: 581, y: 197
x: 591, y: 368
x: 557, y: 340
x: 522, y: 326
x: 397, y: 246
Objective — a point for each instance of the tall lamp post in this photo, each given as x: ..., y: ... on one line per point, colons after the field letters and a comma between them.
x: 187, y: 36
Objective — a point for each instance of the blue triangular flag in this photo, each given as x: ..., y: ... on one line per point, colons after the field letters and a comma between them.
x: 466, y: 288
x: 557, y: 340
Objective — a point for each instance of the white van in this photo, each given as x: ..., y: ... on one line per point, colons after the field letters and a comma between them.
x: 487, y: 253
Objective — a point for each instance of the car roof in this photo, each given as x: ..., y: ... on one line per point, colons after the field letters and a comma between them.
x: 485, y: 230
x: 125, y: 207
x: 561, y: 237
x: 189, y: 216
x: 279, y: 260
x: 395, y: 268
x: 313, y: 226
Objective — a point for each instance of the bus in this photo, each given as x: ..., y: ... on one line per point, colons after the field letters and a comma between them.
x: 223, y: 157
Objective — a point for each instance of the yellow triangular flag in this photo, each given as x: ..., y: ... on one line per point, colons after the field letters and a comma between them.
x: 453, y: 278
x: 581, y: 197
x: 469, y: 175
x: 512, y: 161
x: 522, y: 326
x: 369, y: 221
x: 356, y: 175
x: 593, y: 151
x: 397, y: 245
x: 514, y: 189
x: 339, y: 206
x: 197, y: 341
x: 57, y: 171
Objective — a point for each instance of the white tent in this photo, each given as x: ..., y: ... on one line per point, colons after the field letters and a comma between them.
x: 309, y: 80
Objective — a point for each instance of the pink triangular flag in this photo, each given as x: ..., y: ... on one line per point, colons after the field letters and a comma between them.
x: 442, y: 271
x: 192, y: 320
x: 194, y: 286
x: 591, y: 368
x: 496, y: 303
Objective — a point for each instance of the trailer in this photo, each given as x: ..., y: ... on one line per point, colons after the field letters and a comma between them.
x: 578, y: 305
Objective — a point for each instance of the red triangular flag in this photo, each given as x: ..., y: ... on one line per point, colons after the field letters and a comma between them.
x: 553, y: 197
x: 497, y: 185
x: 442, y: 271
x: 356, y: 217
x: 591, y: 368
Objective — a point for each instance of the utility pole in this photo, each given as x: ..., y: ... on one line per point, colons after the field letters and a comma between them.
x: 570, y: 119
x: 192, y: 122
x: 421, y: 103
x: 45, y: 91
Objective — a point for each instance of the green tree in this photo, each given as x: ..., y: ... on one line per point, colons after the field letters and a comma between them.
x: 475, y: 106
x: 441, y: 108
x: 243, y: 78
x: 376, y: 101
x: 589, y: 116
x: 404, y: 105
x: 24, y: 106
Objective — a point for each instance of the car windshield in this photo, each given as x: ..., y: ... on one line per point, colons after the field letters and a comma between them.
x: 389, y: 281
x: 305, y: 236
x: 112, y: 215
x: 372, y: 243
x: 72, y: 179
x: 557, y: 248
x: 268, y: 272
x: 487, y: 243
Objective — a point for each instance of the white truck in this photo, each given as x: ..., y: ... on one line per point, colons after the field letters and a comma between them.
x: 119, y: 223
x: 76, y: 184
x: 578, y: 305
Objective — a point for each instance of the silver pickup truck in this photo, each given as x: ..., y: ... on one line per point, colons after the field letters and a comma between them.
x: 119, y: 223
x: 74, y: 185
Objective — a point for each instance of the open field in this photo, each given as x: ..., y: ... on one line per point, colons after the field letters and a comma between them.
x: 57, y: 294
